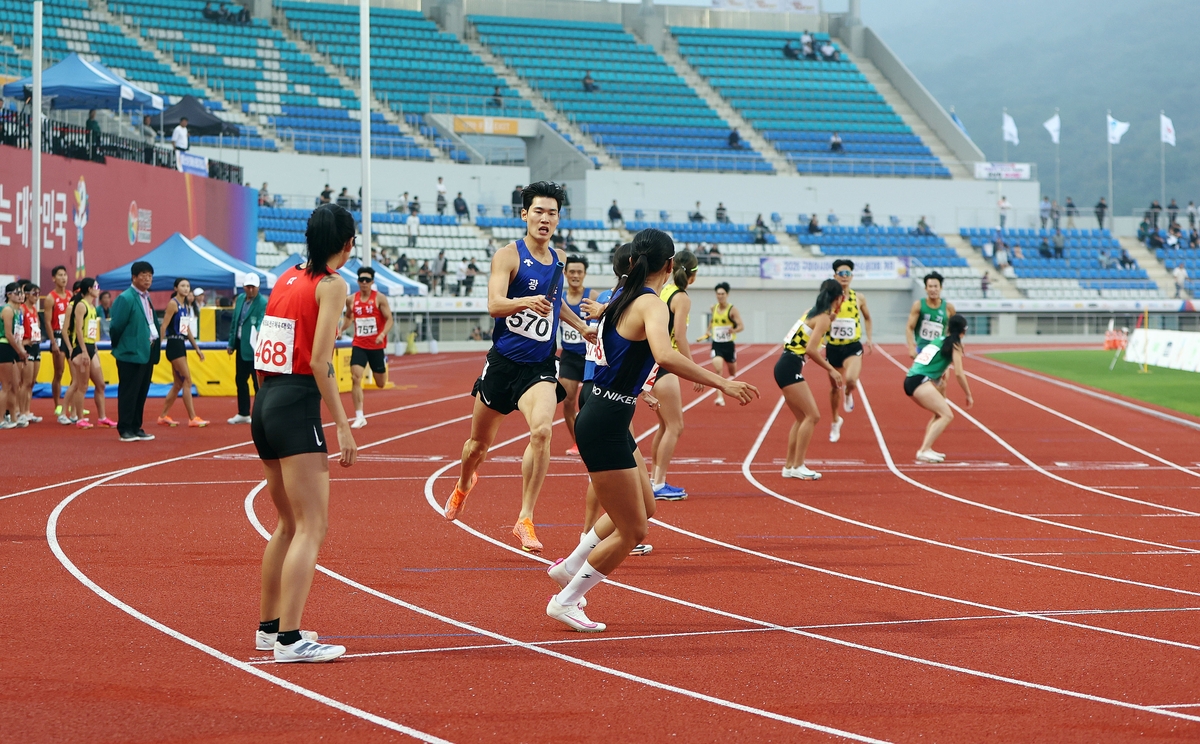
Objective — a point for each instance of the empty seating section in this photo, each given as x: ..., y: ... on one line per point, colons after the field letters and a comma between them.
x: 11, y: 64
x: 835, y: 240
x: 508, y: 229
x: 336, y: 131
x: 71, y: 26
x: 1078, y: 274
x: 643, y: 113
x: 798, y: 104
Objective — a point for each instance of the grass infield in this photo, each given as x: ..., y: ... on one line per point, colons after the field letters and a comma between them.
x: 1169, y: 388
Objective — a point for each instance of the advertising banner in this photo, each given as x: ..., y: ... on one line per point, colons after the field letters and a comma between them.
x: 97, y: 216
x: 488, y: 125
x: 194, y: 165
x: 808, y: 7
x: 1160, y: 348
x: 865, y: 267
x: 1003, y: 171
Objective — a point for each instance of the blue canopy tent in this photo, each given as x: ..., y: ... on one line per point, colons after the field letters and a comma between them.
x: 389, y: 282
x: 266, y: 278
x: 76, y: 83
x: 179, y: 256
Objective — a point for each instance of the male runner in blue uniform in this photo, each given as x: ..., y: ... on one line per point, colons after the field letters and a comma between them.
x: 526, y: 299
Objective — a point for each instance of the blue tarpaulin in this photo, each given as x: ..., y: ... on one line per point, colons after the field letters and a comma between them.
x: 199, y: 261
x: 76, y: 83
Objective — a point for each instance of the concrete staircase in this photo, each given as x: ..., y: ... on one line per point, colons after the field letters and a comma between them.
x: 781, y: 164
x: 908, y: 115
x: 1148, y: 261
x: 1001, y: 286
x: 565, y: 126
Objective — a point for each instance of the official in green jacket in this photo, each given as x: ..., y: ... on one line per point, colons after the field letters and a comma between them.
x: 248, y: 312
x: 135, y: 345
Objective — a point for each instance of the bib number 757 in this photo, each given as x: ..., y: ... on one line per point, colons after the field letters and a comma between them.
x: 529, y: 324
x: 276, y: 347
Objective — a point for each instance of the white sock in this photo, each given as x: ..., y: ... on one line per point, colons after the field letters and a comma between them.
x: 579, y: 556
x: 587, y: 578
x: 359, y: 414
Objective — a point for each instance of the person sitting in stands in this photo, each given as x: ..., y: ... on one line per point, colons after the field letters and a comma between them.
x: 760, y: 231
x: 1143, y: 231
x: 1155, y: 241
x: 614, y: 215
x: 806, y: 38
x: 1060, y: 243
x: 722, y: 214
x: 326, y: 194
x: 808, y: 50
x: 460, y: 208
x: 696, y: 216
x: 867, y: 218
x: 789, y: 51
x: 264, y: 196
x: 735, y: 139
x: 497, y: 98
x: 923, y: 227
x: 814, y: 227
x: 714, y: 255
x: 589, y: 83
x: 1106, y: 260
x: 1194, y: 240
x: 344, y: 199
x: 1044, y: 248
x: 829, y: 52
x: 835, y: 142
x: 209, y: 13
x: 223, y: 14
x: 1126, y: 260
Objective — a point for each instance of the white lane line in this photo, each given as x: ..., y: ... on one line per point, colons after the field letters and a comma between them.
x: 125, y: 471
x: 1107, y: 398
x: 1053, y: 476
x: 1178, y: 705
x: 250, y: 514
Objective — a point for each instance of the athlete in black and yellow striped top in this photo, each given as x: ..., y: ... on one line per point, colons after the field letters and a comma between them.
x: 803, y: 342
x: 724, y: 323
x: 844, y: 347
x: 666, y: 385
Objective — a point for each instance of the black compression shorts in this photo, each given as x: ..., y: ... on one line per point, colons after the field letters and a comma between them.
x: 912, y: 382
x: 176, y: 348
x: 376, y: 358
x: 34, y: 351
x: 585, y: 392
x: 504, y: 381
x: 789, y: 369
x: 287, y: 417
x: 602, y: 431
x: 725, y: 350
x: 91, y: 350
x: 837, y: 355
x: 570, y: 366
x: 8, y: 354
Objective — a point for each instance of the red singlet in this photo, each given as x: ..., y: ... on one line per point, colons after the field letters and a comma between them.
x: 33, y: 329
x: 285, y: 338
x: 62, y: 304
x: 368, y: 321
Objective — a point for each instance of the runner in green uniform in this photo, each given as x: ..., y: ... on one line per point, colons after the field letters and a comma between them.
x: 928, y: 318
x: 931, y: 364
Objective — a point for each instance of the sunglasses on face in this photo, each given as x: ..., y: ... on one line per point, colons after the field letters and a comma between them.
x: 364, y: 280
x: 845, y: 273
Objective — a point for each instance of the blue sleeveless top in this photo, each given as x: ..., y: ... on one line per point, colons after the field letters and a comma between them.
x: 571, y: 340
x: 175, y: 329
x: 527, y: 337
x: 626, y: 364
x: 589, y: 366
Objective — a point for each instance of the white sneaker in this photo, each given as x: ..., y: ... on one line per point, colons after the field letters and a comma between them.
x: 835, y: 430
x: 6, y: 424
x: 802, y: 472
x: 64, y: 419
x: 266, y: 641
x: 572, y: 617
x: 559, y: 575
x: 937, y: 454
x: 639, y: 549
x: 929, y: 456
x: 358, y: 422
x: 848, y: 403
x: 33, y: 419
x: 303, y: 650
x: 239, y: 419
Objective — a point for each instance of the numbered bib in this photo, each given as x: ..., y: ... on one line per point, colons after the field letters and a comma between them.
x: 62, y: 320
x: 276, y: 348
x: 722, y: 334
x: 927, y: 354
x: 35, y: 332
x: 597, y: 350
x: 589, y: 352
x: 796, y: 329
x: 194, y: 326
x: 365, y: 326
x: 843, y: 329
x: 648, y: 385
x: 570, y: 335
x: 92, y: 332
x: 529, y: 324
x: 930, y: 330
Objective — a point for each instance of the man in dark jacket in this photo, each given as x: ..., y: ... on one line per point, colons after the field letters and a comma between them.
x: 135, y: 345
x: 248, y: 312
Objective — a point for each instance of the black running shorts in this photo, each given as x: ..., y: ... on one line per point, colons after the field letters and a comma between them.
x: 60, y: 343
x: 837, y: 355
x: 570, y: 366
x: 375, y: 358
x: 8, y: 354
x: 912, y: 382
x: 789, y: 369
x: 287, y: 417
x: 176, y: 348
x: 34, y: 351
x: 585, y: 392
x: 602, y: 431
x: 725, y: 350
x: 504, y: 381
x: 91, y: 350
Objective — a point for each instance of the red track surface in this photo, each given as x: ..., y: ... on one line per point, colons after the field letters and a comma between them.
x: 1048, y: 598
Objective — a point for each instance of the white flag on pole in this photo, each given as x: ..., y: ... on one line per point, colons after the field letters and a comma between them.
x: 1010, y: 130
x: 1052, y: 125
x: 1116, y: 129
x: 1167, y: 129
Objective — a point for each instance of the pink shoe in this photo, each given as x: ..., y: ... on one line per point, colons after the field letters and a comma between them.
x: 83, y: 424
x: 108, y: 423
x: 574, y: 450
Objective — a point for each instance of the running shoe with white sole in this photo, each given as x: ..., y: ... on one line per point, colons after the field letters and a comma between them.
x: 573, y: 450
x: 359, y: 422
x: 34, y: 419
x: 572, y: 617
x: 560, y: 575
x: 848, y: 403
x: 523, y: 531
x: 306, y: 651
x: 801, y: 472
x: 639, y: 549
x: 64, y: 419
x: 835, y: 430
x: 667, y: 492
x: 238, y: 419
x: 929, y: 456
x: 454, y: 504
x: 6, y: 424
x: 266, y: 641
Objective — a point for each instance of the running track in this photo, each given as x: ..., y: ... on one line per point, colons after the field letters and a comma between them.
x: 1040, y: 585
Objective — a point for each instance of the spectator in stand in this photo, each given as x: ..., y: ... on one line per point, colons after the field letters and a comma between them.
x: 831, y: 218
x: 210, y: 13
x: 497, y: 98
x: 136, y: 348
x: 1017, y: 252
x: 326, y: 194
x: 1044, y: 210
x: 490, y: 248
x: 223, y: 14
x: 149, y: 138
x: 696, y: 216
x: 714, y: 255
x: 264, y: 196
x: 1055, y: 214
x: 460, y: 209
x: 589, y: 83
x: 1155, y: 242
x: 414, y: 206
x: 867, y: 219
x: 1181, y: 276
x: 344, y: 199
x: 460, y: 277
x: 569, y: 243
x: 1101, y: 210
x: 413, y: 225
x: 1155, y: 212
x: 469, y: 282
x: 104, y: 312
x: 441, y: 203
x: 93, y: 129
x: 701, y: 252
x: 614, y: 216
x: 1172, y: 211
x: 1005, y: 210
x: 809, y: 50
x: 1192, y: 213
x: 735, y: 140
x: 248, y: 312
x: 760, y: 231
x: 424, y: 276
x: 829, y: 52
x: 984, y: 281
x: 1126, y: 260
x: 402, y: 264
x: 1071, y: 212
x: 814, y: 227
x: 923, y: 227
x: 179, y: 136
x: 835, y: 142
x: 564, y: 209
x: 1044, y: 248
x: 1106, y: 259
x: 1143, y: 231
x: 441, y: 186
x: 517, y: 201
x: 1000, y: 257
x: 438, y: 273
x: 789, y: 51
x: 722, y: 214
x: 1060, y: 243
x: 806, y: 38
x: 1193, y: 239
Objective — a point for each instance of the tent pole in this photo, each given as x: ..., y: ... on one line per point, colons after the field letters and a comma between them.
x: 35, y: 117
x: 364, y: 72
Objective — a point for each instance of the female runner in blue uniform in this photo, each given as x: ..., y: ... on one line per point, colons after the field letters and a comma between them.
x: 633, y: 336
x: 573, y: 360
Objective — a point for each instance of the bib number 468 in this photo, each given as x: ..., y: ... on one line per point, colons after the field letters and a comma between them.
x: 276, y: 345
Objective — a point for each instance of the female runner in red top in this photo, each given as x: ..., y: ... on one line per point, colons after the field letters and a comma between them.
x: 294, y: 359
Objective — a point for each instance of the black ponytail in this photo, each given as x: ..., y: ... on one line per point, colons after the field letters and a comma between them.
x: 826, y: 296
x: 329, y: 228
x: 621, y: 259
x: 685, y: 265
x: 955, y: 330
x: 651, y: 249
x: 82, y: 287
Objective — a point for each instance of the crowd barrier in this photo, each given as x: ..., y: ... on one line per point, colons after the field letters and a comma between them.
x: 1160, y: 348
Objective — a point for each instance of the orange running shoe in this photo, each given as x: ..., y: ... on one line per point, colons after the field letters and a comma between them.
x: 167, y: 421
x: 197, y: 422
x: 455, y: 503
x: 523, y: 530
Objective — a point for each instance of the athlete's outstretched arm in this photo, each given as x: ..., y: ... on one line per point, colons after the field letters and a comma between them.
x: 505, y: 264
x: 961, y: 375
x: 331, y: 299
x: 820, y: 327
x: 653, y: 315
x: 913, y: 316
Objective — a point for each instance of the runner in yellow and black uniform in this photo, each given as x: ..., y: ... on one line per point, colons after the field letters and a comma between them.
x: 666, y: 385
x: 724, y: 324
x: 844, y: 347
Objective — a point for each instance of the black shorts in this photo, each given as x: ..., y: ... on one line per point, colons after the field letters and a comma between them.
x: 60, y: 343
x: 725, y: 350
x: 661, y: 373
x: 91, y: 350
x: 34, y: 351
x: 504, y: 381
x: 375, y: 358
x: 585, y: 392
x: 8, y: 354
x: 913, y: 382
x: 837, y: 355
x: 789, y: 369
x: 570, y: 366
x: 176, y: 348
x: 602, y: 431
x: 287, y: 417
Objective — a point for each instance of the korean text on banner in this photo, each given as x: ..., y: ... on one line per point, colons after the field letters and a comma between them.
x: 885, y: 267
x: 196, y: 165
x: 1161, y: 348
x: 1003, y: 171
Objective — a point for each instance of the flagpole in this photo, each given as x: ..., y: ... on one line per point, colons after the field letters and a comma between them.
x: 1057, y: 179
x: 1002, y: 135
x: 1162, y: 161
x: 1111, y: 206
x: 364, y: 73
x: 34, y: 230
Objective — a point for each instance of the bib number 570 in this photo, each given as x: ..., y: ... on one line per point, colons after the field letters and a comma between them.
x: 529, y: 324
